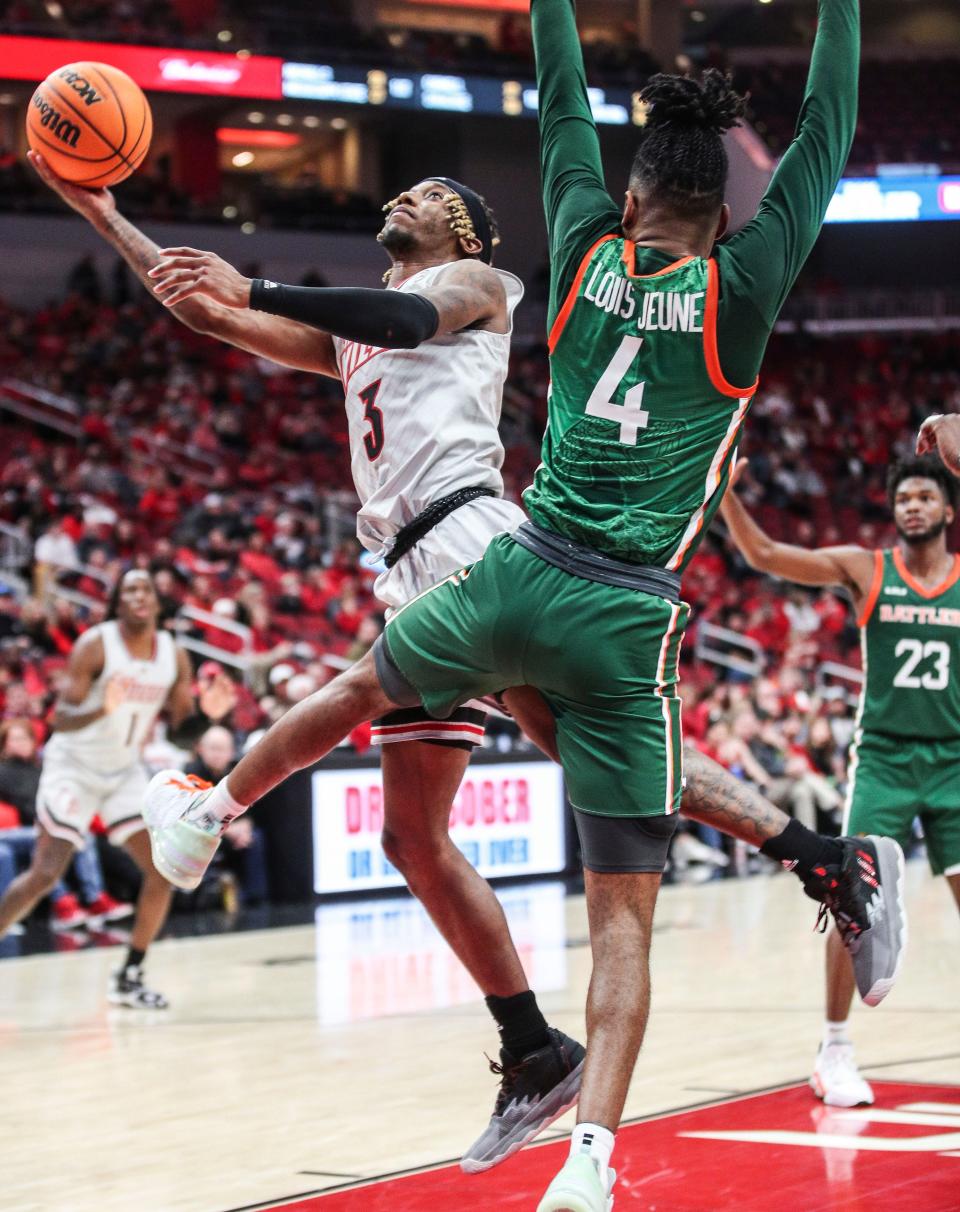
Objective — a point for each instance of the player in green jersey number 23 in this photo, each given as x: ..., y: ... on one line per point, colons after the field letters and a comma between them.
x: 905, y: 758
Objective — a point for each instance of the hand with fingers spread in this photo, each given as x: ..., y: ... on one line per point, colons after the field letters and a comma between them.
x: 93, y: 204
x: 183, y: 272
x: 942, y: 434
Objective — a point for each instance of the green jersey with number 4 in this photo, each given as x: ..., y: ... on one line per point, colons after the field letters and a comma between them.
x: 911, y: 654
x: 642, y: 426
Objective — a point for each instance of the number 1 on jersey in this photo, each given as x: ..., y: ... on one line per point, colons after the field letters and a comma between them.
x: 629, y: 415
x: 372, y: 441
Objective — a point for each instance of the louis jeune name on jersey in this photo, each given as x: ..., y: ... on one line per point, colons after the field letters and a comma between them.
x: 643, y: 427
x: 656, y: 311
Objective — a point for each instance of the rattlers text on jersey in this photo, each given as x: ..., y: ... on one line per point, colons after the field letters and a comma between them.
x: 96, y: 770
x: 423, y: 422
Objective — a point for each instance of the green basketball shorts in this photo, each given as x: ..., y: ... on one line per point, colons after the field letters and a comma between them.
x: 893, y: 780
x: 604, y: 657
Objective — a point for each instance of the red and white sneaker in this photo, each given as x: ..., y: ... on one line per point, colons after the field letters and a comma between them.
x: 68, y: 914
x: 182, y: 849
x: 106, y: 909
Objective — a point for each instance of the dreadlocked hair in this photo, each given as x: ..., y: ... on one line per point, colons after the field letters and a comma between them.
x: 681, y: 158
x: 924, y: 467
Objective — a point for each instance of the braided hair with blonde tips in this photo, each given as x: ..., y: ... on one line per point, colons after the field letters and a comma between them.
x: 681, y: 160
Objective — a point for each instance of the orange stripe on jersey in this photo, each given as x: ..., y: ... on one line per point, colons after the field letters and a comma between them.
x: 947, y: 583
x: 629, y: 259
x: 864, y: 617
x: 563, y: 315
x: 710, y: 351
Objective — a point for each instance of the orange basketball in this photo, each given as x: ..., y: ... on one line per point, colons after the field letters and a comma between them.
x: 91, y: 123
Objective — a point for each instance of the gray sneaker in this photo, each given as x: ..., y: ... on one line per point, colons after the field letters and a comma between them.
x: 865, y: 896
x: 534, y: 1090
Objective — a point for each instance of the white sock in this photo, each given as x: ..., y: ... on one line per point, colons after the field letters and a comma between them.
x: 597, y: 1141
x: 835, y: 1033
x: 218, y: 808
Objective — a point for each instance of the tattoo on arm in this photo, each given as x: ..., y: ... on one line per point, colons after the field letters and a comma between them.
x: 714, y: 797
x: 141, y: 254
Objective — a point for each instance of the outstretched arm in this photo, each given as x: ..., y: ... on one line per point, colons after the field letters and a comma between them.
x: 578, y: 208
x: 770, y: 251
x: 282, y: 341
x: 469, y: 294
x: 851, y: 567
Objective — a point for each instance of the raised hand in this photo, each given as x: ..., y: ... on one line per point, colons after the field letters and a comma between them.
x: 218, y: 698
x: 93, y: 204
x: 182, y: 272
x: 942, y: 434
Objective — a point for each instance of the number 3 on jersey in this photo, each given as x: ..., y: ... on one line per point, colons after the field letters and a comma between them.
x: 372, y: 441
x: 629, y: 415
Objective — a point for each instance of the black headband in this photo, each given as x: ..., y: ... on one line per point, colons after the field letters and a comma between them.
x: 477, y: 212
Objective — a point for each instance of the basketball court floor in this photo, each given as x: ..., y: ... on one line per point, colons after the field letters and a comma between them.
x: 338, y: 1067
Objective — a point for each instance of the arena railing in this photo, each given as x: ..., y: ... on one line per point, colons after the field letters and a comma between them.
x: 871, y: 311
x: 16, y: 550
x: 54, y: 588
x: 188, y: 616
x: 833, y: 678
x: 729, y: 649
x: 41, y: 406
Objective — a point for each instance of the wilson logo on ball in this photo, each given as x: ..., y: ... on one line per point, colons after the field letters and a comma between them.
x: 60, y: 127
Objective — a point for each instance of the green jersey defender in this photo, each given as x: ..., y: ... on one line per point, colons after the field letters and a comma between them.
x: 654, y: 361
x: 905, y: 757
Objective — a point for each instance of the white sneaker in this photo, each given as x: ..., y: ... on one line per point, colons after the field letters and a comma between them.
x: 182, y: 850
x: 579, y: 1188
x: 836, y: 1078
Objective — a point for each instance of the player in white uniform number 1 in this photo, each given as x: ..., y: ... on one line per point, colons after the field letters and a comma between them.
x: 120, y: 676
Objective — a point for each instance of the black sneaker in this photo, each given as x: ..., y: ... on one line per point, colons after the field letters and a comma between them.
x: 534, y: 1091
x: 127, y: 989
x: 865, y: 896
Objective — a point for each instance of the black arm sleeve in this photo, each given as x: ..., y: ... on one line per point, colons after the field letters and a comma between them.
x: 390, y: 319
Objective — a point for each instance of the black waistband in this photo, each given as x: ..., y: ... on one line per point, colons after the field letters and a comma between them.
x: 593, y: 565
x: 408, y: 536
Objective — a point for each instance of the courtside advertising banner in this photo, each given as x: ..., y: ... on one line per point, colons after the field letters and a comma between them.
x: 507, y: 819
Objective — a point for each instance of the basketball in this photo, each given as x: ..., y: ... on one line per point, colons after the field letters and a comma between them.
x: 91, y: 123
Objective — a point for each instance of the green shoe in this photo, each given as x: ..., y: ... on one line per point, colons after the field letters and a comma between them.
x: 578, y: 1188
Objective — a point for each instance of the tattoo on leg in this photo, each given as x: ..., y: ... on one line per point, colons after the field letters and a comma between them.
x: 714, y: 797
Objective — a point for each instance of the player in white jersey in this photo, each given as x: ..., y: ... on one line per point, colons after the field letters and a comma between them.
x: 120, y: 676
x: 423, y: 364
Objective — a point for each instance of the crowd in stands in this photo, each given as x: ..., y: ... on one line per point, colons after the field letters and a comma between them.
x: 229, y: 479
x: 906, y: 113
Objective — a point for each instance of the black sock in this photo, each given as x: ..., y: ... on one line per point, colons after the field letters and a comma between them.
x: 804, y: 848
x: 134, y: 958
x: 523, y: 1028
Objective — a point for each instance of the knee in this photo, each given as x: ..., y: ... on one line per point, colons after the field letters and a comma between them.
x: 412, y: 854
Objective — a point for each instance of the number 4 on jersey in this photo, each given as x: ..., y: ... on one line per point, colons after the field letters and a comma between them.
x: 629, y: 415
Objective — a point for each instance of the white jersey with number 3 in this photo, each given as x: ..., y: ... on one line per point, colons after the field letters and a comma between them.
x: 423, y: 422
x: 114, y: 742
